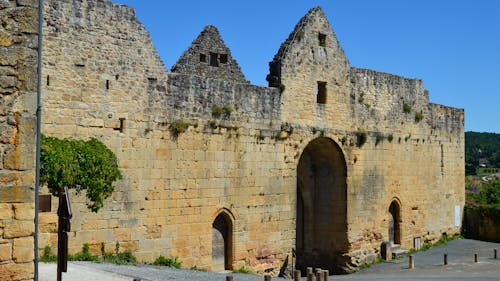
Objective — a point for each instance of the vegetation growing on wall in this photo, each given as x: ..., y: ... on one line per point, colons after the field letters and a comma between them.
x: 361, y: 137
x: 80, y: 165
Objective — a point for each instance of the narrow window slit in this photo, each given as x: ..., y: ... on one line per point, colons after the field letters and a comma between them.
x: 223, y: 58
x: 203, y: 57
x: 322, y: 39
x: 321, y: 92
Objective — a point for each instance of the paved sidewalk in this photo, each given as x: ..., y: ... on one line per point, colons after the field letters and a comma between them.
x: 428, y: 266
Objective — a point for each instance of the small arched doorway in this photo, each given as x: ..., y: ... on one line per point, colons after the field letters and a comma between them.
x: 222, y: 244
x: 321, y: 218
x: 394, y: 223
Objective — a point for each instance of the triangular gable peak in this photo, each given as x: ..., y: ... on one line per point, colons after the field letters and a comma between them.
x: 312, y: 45
x: 208, y: 56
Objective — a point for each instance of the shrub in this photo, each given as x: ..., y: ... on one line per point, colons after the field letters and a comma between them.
x: 419, y: 116
x: 361, y: 137
x: 84, y: 255
x: 379, y: 138
x: 390, y: 137
x: 216, y: 111
x: 179, y: 127
x: 87, y: 166
x: 165, y: 261
x: 406, y: 108
x: 47, y: 255
x: 227, y: 109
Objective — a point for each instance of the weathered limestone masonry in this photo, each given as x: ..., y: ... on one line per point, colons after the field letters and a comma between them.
x: 329, y: 160
x: 18, y: 77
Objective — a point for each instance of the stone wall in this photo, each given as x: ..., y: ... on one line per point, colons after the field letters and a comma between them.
x: 201, y: 141
x: 481, y: 224
x: 18, y: 76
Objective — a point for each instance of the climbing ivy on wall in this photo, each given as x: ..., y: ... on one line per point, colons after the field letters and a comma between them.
x: 80, y: 165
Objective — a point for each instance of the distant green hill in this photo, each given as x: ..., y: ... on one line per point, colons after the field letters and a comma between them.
x: 481, y: 147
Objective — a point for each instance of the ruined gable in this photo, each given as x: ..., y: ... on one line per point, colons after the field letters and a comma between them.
x: 208, y: 56
x: 312, y: 45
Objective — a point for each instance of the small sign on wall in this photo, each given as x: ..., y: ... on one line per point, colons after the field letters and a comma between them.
x: 457, y: 215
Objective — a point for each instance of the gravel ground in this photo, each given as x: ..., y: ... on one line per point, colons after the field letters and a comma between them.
x: 428, y: 266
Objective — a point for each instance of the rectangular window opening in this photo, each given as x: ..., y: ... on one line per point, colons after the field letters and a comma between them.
x: 107, y: 84
x: 203, y: 57
x: 223, y: 58
x: 322, y: 39
x: 48, y: 80
x: 321, y: 92
x: 214, y: 59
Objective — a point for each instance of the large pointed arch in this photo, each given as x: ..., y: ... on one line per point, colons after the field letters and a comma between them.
x: 321, y: 222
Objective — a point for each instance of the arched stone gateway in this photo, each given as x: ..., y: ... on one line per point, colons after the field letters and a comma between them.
x: 222, y: 244
x: 321, y: 226
x: 394, y: 223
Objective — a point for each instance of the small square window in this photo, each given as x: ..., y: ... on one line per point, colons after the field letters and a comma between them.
x: 213, y: 60
x: 321, y: 92
x: 322, y: 39
x: 223, y: 58
x: 203, y: 58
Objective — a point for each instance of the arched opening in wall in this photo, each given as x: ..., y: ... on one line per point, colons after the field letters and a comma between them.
x: 394, y: 223
x: 222, y: 242
x: 321, y: 219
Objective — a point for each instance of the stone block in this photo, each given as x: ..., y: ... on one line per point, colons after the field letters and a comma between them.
x: 5, y: 211
x: 19, y: 229
x: 24, y: 211
x: 17, y: 271
x: 23, y: 156
x: 16, y: 194
x: 23, y: 249
x: 5, y: 252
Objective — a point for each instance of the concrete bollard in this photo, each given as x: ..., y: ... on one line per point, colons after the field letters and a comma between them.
x: 495, y: 253
x: 319, y: 275
x: 310, y: 277
x: 297, y: 275
x: 445, y: 259
x: 475, y: 258
x: 267, y: 278
x: 309, y: 270
x: 325, y: 275
x: 229, y: 278
x: 411, y: 263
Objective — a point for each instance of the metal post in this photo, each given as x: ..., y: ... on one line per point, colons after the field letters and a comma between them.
x: 38, y: 136
x: 319, y: 275
x: 310, y: 277
x: 445, y: 259
x: 267, y: 278
x: 325, y: 275
x: 411, y: 263
x: 297, y: 275
x: 309, y: 270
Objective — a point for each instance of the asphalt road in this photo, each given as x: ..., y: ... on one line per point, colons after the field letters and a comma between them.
x: 428, y: 266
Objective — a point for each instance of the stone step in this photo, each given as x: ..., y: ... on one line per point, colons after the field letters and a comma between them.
x: 397, y: 252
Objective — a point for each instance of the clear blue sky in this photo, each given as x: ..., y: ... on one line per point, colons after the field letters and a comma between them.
x: 452, y: 45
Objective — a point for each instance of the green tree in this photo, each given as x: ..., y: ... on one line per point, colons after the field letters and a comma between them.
x: 80, y: 165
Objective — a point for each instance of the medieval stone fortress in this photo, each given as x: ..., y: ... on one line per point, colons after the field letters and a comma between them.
x: 328, y: 162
